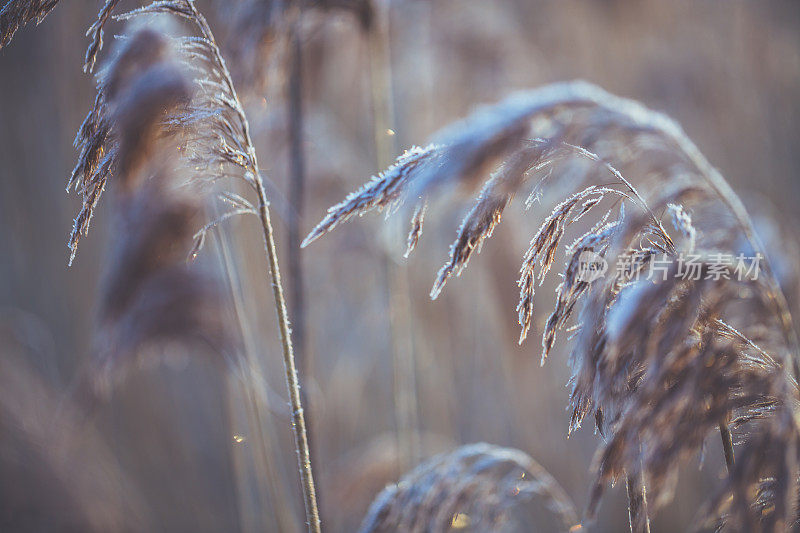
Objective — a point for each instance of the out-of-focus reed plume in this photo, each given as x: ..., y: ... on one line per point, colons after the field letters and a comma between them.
x: 150, y: 296
x: 473, y: 486
x: 262, y: 28
x: 17, y: 13
x: 660, y: 363
x: 218, y: 145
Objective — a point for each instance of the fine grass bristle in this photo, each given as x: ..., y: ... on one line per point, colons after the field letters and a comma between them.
x: 17, y: 13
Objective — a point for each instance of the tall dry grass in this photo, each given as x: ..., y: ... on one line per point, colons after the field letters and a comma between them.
x: 653, y: 359
x: 670, y: 371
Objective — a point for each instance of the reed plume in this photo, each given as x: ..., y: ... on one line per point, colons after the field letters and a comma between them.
x: 216, y: 141
x: 150, y: 295
x: 473, y: 486
x: 263, y: 31
x: 661, y: 364
x: 97, y: 141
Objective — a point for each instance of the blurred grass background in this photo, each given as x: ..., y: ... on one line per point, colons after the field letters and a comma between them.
x: 161, y: 454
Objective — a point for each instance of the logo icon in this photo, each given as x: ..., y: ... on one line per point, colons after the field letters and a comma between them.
x: 591, y: 266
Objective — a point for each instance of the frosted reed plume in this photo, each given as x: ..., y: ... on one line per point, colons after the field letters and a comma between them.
x: 383, y: 192
x: 476, y: 484
x: 218, y: 145
x: 97, y: 141
x: 17, y: 13
x: 647, y: 354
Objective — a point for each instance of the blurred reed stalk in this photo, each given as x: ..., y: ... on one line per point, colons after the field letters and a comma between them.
x: 402, y: 332
x: 727, y: 442
x: 637, y: 504
x: 292, y: 380
x: 256, y: 410
x: 297, y: 186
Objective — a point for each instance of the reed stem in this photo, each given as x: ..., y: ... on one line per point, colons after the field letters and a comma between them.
x: 402, y: 331
x: 292, y: 381
x: 637, y: 504
x: 297, y: 181
x: 727, y: 444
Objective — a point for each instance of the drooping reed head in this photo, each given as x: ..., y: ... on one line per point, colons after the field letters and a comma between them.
x: 151, y: 297
x: 658, y: 286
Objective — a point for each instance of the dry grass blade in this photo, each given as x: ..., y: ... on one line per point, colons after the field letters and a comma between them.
x: 96, y: 33
x: 481, y: 220
x: 384, y: 191
x: 477, y: 483
x: 17, y: 13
